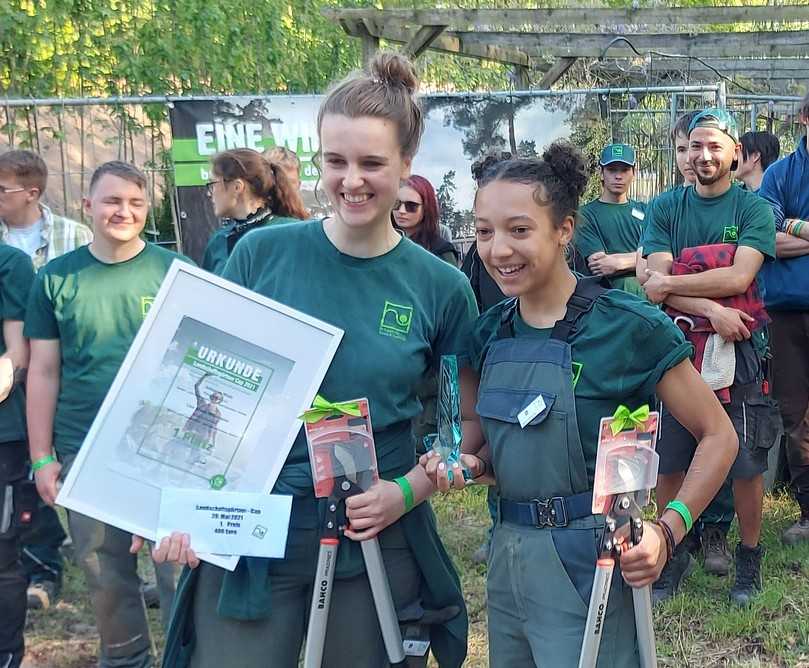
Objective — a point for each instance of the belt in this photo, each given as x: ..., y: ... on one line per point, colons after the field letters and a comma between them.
x: 553, y: 512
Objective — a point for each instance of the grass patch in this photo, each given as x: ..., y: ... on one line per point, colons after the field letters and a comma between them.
x: 697, y: 628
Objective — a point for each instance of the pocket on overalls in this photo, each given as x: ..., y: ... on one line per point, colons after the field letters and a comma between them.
x: 577, y: 550
x: 505, y: 404
x: 531, y: 461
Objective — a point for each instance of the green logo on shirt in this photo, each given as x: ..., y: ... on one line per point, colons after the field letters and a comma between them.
x: 145, y: 305
x: 396, y: 320
x: 730, y: 235
x: 577, y: 367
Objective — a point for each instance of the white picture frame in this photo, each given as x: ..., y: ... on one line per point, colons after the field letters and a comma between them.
x: 162, y: 423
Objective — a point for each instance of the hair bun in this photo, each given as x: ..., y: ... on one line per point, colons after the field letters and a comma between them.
x: 482, y: 165
x: 568, y: 165
x: 393, y: 69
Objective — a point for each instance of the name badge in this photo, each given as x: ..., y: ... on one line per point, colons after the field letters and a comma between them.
x: 531, y: 411
x: 638, y: 214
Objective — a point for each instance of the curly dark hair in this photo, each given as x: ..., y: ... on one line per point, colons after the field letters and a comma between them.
x: 560, y: 177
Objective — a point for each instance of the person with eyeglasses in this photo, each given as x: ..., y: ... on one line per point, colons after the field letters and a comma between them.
x: 415, y: 213
x: 247, y: 192
x: 27, y: 224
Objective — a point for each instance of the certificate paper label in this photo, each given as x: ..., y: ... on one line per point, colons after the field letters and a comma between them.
x: 247, y: 525
x: 531, y: 411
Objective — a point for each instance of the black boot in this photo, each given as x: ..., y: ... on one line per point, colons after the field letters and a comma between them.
x: 715, y: 546
x: 676, y: 570
x: 798, y: 532
x: 748, y: 574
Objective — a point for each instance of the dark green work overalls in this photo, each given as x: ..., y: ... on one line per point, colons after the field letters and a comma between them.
x: 545, y: 542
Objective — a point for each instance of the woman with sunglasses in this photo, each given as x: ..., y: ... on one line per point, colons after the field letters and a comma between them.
x: 416, y: 214
x: 247, y: 192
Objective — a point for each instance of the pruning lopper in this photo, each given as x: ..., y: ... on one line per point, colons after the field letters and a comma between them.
x: 351, y: 465
x: 623, y: 530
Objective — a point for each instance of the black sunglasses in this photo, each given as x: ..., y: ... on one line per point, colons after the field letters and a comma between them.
x: 410, y: 207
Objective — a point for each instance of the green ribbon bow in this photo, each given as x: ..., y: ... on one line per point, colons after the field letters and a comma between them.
x: 624, y: 419
x: 322, y: 408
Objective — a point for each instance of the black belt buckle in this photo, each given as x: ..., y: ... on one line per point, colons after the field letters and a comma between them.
x: 550, y: 512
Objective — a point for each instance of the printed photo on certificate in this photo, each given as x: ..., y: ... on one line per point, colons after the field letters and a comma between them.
x: 207, y: 399
x: 191, y: 430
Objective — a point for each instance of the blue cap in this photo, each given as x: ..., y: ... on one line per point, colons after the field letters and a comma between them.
x: 719, y: 119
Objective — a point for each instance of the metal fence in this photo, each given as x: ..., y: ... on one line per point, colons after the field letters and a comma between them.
x: 75, y: 135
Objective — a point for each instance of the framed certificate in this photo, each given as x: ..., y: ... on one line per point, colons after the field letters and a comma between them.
x: 207, y: 398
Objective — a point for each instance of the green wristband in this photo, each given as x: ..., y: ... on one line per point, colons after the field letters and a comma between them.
x: 407, y: 492
x: 682, y: 510
x: 42, y: 462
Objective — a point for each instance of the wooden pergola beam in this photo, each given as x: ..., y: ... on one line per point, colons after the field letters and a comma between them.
x: 556, y: 72
x: 423, y: 38
x: 593, y: 45
x: 775, y: 68
x: 504, y: 19
x: 446, y: 43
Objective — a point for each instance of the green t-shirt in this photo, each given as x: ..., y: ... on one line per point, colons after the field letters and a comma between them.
x: 609, y: 228
x: 400, y: 312
x: 94, y: 310
x: 16, y: 278
x: 681, y: 218
x: 216, y: 252
x: 620, y: 350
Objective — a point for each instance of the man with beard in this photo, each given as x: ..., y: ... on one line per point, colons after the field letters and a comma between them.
x: 715, y: 237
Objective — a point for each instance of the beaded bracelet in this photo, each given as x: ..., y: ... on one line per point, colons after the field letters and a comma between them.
x: 668, y: 535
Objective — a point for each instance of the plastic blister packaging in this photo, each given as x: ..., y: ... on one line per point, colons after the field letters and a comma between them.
x: 342, y: 445
x: 626, y: 462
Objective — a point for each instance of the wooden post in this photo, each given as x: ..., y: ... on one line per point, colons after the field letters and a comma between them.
x: 522, y: 79
x: 370, y: 45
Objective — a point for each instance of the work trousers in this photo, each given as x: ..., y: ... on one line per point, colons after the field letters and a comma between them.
x: 111, y: 574
x: 13, y: 581
x: 41, y: 554
x: 790, y: 365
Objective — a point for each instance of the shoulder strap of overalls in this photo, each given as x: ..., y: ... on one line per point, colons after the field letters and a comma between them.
x: 506, y: 330
x: 587, y: 291
x: 581, y: 301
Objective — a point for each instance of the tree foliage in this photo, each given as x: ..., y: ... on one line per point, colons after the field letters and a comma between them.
x: 133, y: 47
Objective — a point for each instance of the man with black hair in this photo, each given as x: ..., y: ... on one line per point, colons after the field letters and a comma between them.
x: 705, y: 246
x: 786, y: 187
x: 609, y: 228
x: 759, y: 151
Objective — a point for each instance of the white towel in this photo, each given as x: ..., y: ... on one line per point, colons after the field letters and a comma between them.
x: 719, y: 362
